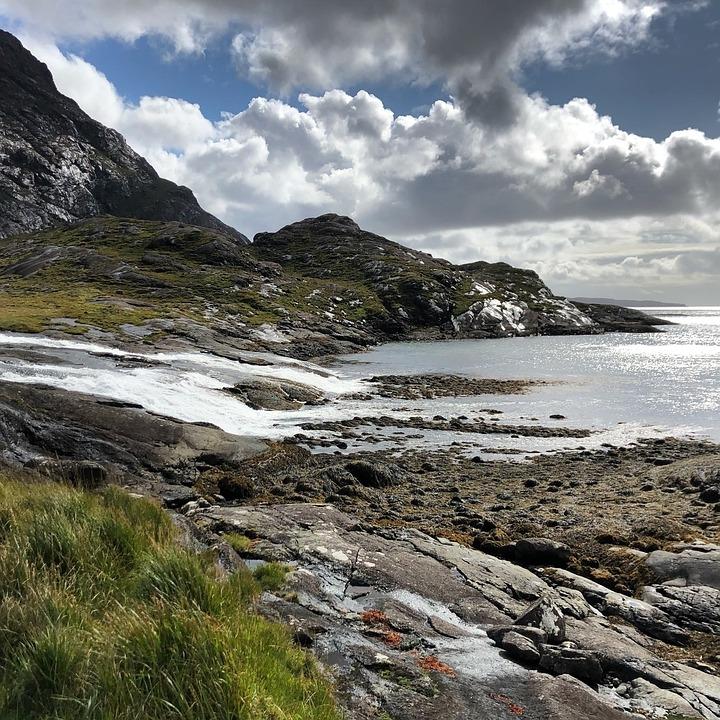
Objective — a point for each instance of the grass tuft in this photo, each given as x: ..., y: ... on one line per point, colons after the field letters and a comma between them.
x: 238, y: 542
x: 271, y: 576
x: 103, y: 615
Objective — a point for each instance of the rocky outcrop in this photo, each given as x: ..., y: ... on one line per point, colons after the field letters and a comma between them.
x: 417, y: 292
x: 91, y: 440
x: 614, y: 318
x: 513, y: 301
x: 688, y: 588
x: 417, y: 627
x: 58, y: 165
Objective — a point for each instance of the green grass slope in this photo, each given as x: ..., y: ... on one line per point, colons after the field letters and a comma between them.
x: 109, y: 273
x: 104, y: 616
x: 327, y: 276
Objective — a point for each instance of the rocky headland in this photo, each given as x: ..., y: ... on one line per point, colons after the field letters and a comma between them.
x: 575, y: 585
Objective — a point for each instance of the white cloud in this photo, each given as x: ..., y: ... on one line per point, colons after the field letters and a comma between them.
x: 153, y: 124
x: 474, y: 47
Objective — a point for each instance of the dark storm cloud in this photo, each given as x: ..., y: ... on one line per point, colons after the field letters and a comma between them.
x: 472, y: 46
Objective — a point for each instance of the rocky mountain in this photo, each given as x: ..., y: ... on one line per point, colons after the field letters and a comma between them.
x: 520, y: 302
x: 113, y: 248
x: 319, y: 286
x: 58, y: 165
x: 416, y: 292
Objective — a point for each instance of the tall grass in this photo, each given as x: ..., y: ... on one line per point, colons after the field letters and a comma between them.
x: 104, y: 617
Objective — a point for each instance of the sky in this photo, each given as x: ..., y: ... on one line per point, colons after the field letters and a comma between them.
x: 580, y: 138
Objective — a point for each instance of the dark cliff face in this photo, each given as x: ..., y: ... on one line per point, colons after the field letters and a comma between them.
x: 58, y: 165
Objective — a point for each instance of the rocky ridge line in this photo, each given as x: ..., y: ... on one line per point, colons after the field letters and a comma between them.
x: 58, y: 165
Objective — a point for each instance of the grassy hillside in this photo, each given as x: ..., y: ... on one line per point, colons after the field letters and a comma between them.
x: 324, y: 276
x: 103, y: 615
x: 108, y: 273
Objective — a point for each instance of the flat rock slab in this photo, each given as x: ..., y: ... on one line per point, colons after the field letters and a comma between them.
x: 414, y: 643
x: 699, y: 566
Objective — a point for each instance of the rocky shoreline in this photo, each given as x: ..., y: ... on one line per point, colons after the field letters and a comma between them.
x: 427, y: 580
x: 431, y: 584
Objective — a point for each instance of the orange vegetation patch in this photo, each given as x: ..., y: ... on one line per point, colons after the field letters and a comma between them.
x: 374, y: 617
x: 430, y: 662
x: 511, y: 707
x: 392, y: 638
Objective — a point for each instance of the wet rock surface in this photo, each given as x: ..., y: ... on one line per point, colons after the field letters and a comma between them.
x: 276, y: 395
x: 412, y: 387
x: 481, y: 426
x: 414, y: 626
x: 428, y: 583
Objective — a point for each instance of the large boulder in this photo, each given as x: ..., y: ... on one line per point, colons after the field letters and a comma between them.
x: 375, y: 475
x: 542, y: 551
x: 581, y: 664
x: 546, y: 615
x: 694, y: 565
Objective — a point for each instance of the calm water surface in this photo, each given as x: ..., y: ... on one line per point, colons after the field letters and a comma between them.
x: 667, y: 381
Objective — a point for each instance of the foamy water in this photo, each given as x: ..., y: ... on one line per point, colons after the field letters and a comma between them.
x: 622, y: 386
x: 187, y: 386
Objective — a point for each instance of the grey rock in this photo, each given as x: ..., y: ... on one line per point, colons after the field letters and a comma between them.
x: 542, y: 551
x: 447, y: 629
x: 649, y: 617
x: 646, y: 697
x: 177, y: 496
x: 696, y: 607
x: 710, y: 494
x: 374, y: 475
x: 92, y: 440
x: 275, y: 395
x: 412, y: 579
x: 689, y: 567
x: 547, y: 616
x: 521, y: 647
x: 581, y: 664
x: 538, y: 636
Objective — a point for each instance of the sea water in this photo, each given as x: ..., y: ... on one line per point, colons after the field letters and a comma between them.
x: 621, y: 386
x: 668, y: 380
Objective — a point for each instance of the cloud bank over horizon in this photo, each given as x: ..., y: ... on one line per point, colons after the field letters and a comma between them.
x: 493, y: 172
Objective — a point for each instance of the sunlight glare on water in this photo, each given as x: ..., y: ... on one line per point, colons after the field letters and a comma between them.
x: 669, y: 379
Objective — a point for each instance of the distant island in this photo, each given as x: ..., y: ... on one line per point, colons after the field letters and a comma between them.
x: 626, y: 303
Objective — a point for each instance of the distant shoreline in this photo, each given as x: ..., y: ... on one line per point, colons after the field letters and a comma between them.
x: 627, y: 303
